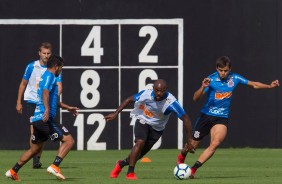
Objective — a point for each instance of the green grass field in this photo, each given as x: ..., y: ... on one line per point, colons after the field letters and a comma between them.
x: 228, y: 166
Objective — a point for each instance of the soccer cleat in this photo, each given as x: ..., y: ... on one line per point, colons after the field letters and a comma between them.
x: 12, y: 174
x: 115, y: 172
x: 131, y: 176
x: 37, y: 165
x: 180, y: 159
x: 193, y: 171
x: 52, y: 169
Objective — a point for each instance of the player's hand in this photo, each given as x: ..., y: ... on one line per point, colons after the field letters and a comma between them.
x: 189, y: 148
x: 110, y: 117
x: 206, y: 82
x: 19, y: 108
x: 73, y: 110
x: 46, y: 116
x: 275, y: 84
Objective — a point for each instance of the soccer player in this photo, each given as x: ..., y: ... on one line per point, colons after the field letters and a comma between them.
x: 213, y: 119
x: 152, y: 108
x: 28, y: 88
x: 43, y: 123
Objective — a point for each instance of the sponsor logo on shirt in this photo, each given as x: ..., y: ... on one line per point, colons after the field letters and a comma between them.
x: 220, y: 96
x: 146, y: 111
x: 216, y: 110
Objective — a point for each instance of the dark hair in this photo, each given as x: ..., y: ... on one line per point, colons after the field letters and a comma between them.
x: 45, y: 45
x: 55, y: 60
x: 222, y: 62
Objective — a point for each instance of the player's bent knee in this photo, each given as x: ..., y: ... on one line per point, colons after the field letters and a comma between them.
x: 69, y: 139
x: 215, y: 144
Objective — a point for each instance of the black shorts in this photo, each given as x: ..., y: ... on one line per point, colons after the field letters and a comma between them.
x: 204, y: 124
x: 30, y: 108
x: 48, y: 130
x: 146, y: 133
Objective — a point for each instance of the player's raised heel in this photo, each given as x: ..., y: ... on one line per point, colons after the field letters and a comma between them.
x: 193, y: 171
x: 131, y: 176
x: 52, y: 169
x: 12, y: 175
x: 115, y: 172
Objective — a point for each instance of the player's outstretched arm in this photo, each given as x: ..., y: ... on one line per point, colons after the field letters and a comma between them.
x: 124, y: 104
x: 200, y: 92
x: 259, y: 85
x: 71, y: 109
x: 188, y: 129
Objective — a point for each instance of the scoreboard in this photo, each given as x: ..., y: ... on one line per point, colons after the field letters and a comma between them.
x: 105, y: 62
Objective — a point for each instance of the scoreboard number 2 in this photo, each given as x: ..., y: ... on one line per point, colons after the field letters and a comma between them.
x: 143, y: 56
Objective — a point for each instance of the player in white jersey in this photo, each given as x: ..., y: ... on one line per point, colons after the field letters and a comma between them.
x: 152, y: 110
x: 29, y: 84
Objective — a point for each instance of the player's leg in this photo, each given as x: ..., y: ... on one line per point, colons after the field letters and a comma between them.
x: 200, y: 130
x: 30, y: 108
x: 36, y: 158
x: 141, y: 132
x: 183, y: 153
x: 217, y: 133
x: 25, y: 157
x: 40, y: 135
x: 60, y: 133
x: 153, y: 137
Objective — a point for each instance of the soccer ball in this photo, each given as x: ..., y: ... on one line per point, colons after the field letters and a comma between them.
x: 182, y: 171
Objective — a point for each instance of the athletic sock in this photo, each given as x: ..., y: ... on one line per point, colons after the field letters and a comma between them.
x: 183, y: 153
x: 123, y: 163
x: 130, y: 169
x: 17, y: 167
x: 36, y: 159
x: 197, y: 165
x: 57, y: 161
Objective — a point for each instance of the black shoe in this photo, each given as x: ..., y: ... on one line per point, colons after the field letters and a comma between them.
x: 37, y: 165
